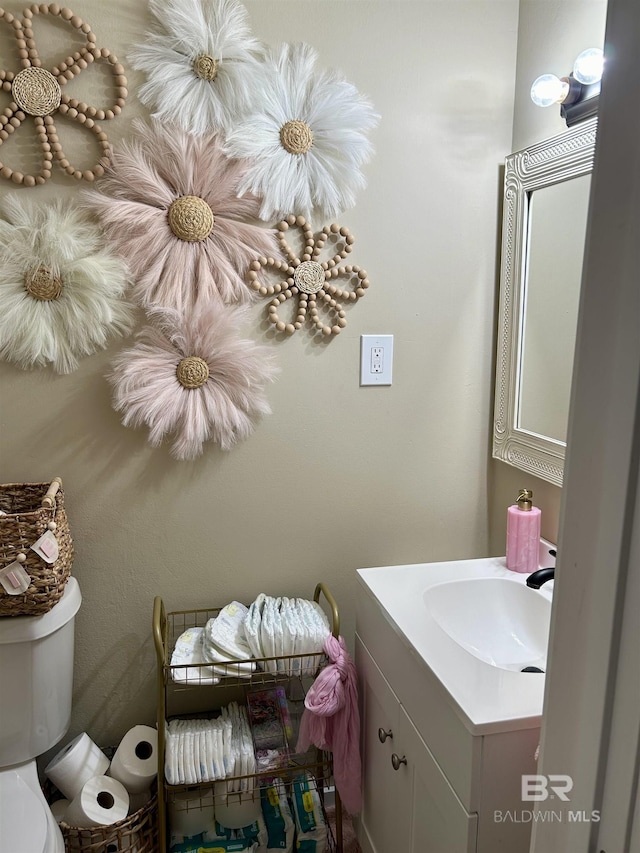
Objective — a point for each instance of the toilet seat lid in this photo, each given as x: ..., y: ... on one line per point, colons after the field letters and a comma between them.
x: 23, y: 822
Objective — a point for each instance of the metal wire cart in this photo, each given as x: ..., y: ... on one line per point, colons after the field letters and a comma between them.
x: 188, y: 692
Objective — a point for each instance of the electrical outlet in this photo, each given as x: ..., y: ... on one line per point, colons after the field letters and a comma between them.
x: 376, y: 359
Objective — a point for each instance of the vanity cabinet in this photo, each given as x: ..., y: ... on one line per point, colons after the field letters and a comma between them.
x: 408, y: 804
x: 430, y: 784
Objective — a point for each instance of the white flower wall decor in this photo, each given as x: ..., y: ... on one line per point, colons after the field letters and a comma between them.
x: 61, y: 291
x: 201, y: 62
x: 307, y: 138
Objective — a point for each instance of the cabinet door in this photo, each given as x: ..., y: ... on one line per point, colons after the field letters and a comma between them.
x: 383, y: 824
x: 439, y: 823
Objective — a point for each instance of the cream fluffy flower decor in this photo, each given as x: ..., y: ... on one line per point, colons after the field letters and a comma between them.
x: 170, y: 205
x: 60, y: 290
x: 307, y: 140
x: 194, y: 378
x: 201, y: 63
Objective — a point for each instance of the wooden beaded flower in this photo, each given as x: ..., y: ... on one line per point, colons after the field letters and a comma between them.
x: 38, y: 93
x: 60, y: 290
x: 194, y: 378
x: 201, y: 63
x: 309, y: 279
x: 170, y: 205
x: 307, y: 138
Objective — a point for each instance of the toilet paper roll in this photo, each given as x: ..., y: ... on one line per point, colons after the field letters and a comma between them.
x: 59, y: 809
x: 75, y: 764
x: 101, y: 802
x: 135, y: 763
x: 191, y: 812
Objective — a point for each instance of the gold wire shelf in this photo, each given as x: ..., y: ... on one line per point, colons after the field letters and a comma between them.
x: 175, y: 682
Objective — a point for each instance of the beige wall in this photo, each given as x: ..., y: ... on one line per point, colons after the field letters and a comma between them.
x: 551, y: 33
x: 339, y: 477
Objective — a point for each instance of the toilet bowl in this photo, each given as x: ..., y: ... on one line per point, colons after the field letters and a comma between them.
x: 36, y: 671
x: 26, y: 822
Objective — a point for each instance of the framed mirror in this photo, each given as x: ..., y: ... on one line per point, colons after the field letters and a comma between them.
x: 546, y: 196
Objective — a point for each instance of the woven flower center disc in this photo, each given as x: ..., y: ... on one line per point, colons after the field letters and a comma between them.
x: 205, y: 67
x: 36, y: 91
x: 309, y: 277
x: 296, y: 137
x: 191, y: 218
x: 192, y: 371
x: 42, y: 284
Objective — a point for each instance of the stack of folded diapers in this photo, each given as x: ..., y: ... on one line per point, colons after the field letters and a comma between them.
x: 240, y: 640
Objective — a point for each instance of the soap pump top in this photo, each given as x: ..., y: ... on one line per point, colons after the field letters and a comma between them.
x: 525, y: 499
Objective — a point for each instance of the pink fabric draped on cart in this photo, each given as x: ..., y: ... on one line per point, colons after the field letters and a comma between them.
x: 331, y: 721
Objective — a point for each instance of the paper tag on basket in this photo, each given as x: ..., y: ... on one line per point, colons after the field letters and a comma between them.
x: 14, y: 579
x: 46, y: 547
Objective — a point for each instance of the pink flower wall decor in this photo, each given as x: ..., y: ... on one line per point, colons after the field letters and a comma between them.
x: 194, y: 378
x: 169, y: 203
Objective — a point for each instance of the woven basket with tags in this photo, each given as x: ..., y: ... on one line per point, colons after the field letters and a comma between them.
x: 29, y: 512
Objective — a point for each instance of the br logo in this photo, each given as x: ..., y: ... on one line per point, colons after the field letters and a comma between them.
x: 539, y: 788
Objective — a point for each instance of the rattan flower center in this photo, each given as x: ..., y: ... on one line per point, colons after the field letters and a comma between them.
x: 42, y: 284
x: 36, y: 91
x: 192, y: 371
x: 309, y: 277
x: 296, y: 137
x: 191, y: 218
x: 205, y: 67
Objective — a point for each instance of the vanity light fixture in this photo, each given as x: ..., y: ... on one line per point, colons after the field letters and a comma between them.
x: 578, y: 93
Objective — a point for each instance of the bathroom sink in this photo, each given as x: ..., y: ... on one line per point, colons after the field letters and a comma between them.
x: 473, y: 626
x: 501, y: 622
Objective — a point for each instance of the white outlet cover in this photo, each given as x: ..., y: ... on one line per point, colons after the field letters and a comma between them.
x: 378, y: 370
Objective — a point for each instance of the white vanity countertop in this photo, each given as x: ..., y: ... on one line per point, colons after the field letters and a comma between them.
x: 486, y: 698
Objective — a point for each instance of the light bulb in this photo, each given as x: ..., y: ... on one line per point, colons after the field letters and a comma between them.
x: 548, y: 89
x: 587, y: 68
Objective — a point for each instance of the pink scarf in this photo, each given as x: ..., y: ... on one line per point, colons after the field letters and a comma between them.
x: 331, y: 721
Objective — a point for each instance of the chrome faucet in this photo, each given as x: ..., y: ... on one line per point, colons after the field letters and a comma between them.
x: 536, y: 579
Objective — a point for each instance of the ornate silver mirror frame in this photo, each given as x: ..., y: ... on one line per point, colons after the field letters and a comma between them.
x: 549, y: 162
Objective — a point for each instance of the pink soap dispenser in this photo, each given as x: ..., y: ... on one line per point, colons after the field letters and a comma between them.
x: 523, y: 534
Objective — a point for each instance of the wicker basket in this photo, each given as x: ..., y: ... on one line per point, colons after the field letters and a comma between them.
x: 136, y: 833
x: 28, y: 511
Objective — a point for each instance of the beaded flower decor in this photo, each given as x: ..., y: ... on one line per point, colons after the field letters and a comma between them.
x: 38, y: 94
x: 60, y: 290
x: 201, y: 62
x: 169, y: 203
x: 193, y: 378
x: 308, y: 279
x: 307, y: 138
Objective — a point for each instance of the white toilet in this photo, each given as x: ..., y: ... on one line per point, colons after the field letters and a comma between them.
x: 36, y: 674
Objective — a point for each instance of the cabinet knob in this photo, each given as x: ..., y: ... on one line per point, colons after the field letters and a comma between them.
x: 397, y: 761
x: 382, y: 735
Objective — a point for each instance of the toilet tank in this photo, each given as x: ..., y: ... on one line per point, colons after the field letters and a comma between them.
x: 36, y: 674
